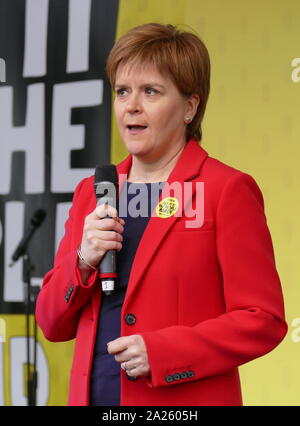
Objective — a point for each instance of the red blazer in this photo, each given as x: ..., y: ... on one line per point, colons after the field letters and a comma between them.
x: 205, y: 300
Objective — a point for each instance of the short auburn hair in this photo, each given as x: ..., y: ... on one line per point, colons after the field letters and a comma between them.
x: 179, y: 53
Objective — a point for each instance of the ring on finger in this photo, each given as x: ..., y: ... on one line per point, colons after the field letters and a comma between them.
x: 131, y: 369
x: 124, y: 366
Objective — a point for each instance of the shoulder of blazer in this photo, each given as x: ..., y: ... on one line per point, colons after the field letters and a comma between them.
x: 85, y: 189
x: 84, y: 197
x: 217, y: 170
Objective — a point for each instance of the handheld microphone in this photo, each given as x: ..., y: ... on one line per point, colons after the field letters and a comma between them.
x: 35, y: 221
x: 106, y: 187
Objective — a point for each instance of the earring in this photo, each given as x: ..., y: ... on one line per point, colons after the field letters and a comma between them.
x: 187, y: 119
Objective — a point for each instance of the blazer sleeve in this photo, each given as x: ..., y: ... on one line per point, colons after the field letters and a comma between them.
x: 254, y: 321
x: 63, y: 294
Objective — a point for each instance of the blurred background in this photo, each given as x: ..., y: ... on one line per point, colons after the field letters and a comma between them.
x: 56, y: 125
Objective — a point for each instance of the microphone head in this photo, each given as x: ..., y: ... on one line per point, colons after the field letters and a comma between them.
x: 38, y: 217
x: 106, y: 173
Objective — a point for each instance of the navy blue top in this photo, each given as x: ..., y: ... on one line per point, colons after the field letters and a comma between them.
x: 135, y: 206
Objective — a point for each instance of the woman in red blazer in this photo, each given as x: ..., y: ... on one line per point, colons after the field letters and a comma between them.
x: 203, y: 296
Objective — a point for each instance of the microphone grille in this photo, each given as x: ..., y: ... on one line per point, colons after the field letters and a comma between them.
x: 38, y: 217
x: 106, y: 173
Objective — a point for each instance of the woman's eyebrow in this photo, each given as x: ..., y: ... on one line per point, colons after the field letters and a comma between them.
x: 150, y: 84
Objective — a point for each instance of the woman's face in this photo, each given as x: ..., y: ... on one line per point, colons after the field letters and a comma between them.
x: 150, y: 112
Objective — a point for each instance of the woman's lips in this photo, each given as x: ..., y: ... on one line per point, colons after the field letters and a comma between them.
x: 136, y: 130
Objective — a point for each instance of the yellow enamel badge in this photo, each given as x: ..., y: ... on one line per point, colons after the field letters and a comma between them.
x: 167, y: 207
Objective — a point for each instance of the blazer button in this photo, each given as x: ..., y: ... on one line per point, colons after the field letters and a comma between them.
x: 191, y: 374
x: 130, y: 319
x: 131, y: 378
x: 176, y: 376
x: 184, y: 375
x: 169, y: 378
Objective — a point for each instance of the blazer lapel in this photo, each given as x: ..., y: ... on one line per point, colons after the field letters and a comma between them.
x: 187, y: 167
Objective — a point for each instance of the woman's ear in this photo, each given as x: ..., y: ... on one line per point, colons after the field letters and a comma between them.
x: 191, y: 106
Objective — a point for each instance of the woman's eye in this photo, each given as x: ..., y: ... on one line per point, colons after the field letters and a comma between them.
x: 151, y: 91
x: 121, y: 92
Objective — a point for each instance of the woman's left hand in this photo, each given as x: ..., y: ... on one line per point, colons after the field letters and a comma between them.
x: 132, y: 353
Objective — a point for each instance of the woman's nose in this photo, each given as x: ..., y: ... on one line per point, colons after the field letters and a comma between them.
x: 133, y: 104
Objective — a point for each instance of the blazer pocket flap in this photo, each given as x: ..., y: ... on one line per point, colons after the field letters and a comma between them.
x: 186, y: 224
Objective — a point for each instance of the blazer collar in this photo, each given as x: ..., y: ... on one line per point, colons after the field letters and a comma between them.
x: 187, y: 167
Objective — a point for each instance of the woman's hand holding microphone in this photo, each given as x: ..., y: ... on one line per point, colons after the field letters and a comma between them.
x: 100, y: 234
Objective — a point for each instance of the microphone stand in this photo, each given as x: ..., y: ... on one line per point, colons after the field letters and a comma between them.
x: 30, y: 295
x: 29, y: 300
